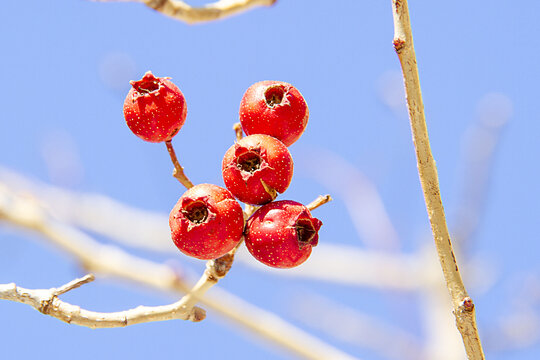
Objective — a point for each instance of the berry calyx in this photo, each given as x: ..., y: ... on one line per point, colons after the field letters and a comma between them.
x: 281, y: 234
x: 257, y: 168
x: 206, y: 222
x: 274, y: 108
x: 155, y: 109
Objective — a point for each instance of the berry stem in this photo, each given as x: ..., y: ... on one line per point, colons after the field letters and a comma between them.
x: 178, y: 171
x: 320, y: 200
x: 237, y: 127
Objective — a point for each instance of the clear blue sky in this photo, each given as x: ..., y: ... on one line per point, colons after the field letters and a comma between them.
x: 65, y: 71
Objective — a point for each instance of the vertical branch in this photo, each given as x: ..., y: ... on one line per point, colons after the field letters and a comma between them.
x: 462, y: 303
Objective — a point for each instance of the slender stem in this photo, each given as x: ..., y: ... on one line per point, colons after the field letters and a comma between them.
x: 74, y: 284
x: 237, y: 127
x: 320, y: 200
x: 462, y: 303
x: 178, y: 171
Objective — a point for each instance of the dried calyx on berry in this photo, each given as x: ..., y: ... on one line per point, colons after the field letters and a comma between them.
x: 257, y: 168
x: 307, y: 231
x: 198, y: 210
x: 155, y: 109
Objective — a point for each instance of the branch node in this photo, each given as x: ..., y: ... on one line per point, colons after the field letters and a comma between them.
x: 45, y: 305
x: 221, y: 266
x: 467, y: 304
x: 197, y: 314
x: 399, y: 44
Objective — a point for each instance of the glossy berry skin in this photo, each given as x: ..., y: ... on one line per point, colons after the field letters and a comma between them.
x: 256, y: 168
x: 154, y: 109
x: 274, y: 108
x: 207, y: 222
x: 282, y: 233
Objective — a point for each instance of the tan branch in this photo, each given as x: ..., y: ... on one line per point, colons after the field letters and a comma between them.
x: 74, y: 284
x: 221, y: 9
x: 463, y: 306
x: 48, y: 303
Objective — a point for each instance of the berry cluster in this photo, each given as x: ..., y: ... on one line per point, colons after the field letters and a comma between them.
x: 207, y: 222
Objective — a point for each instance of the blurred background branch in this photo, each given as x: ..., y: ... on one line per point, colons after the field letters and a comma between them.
x: 180, y: 10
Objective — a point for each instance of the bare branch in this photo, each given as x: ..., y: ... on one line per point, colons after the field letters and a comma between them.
x: 221, y: 9
x: 427, y: 170
x: 48, y: 303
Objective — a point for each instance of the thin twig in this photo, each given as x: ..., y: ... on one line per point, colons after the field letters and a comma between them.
x: 213, y: 11
x: 178, y: 171
x: 74, y: 284
x: 463, y: 306
x: 320, y: 200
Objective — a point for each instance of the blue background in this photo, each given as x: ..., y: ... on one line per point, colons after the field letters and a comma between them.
x: 65, y: 67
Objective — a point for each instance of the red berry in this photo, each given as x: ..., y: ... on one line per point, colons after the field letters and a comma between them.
x: 256, y: 168
x: 282, y: 233
x: 207, y: 222
x: 154, y: 109
x: 274, y: 108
